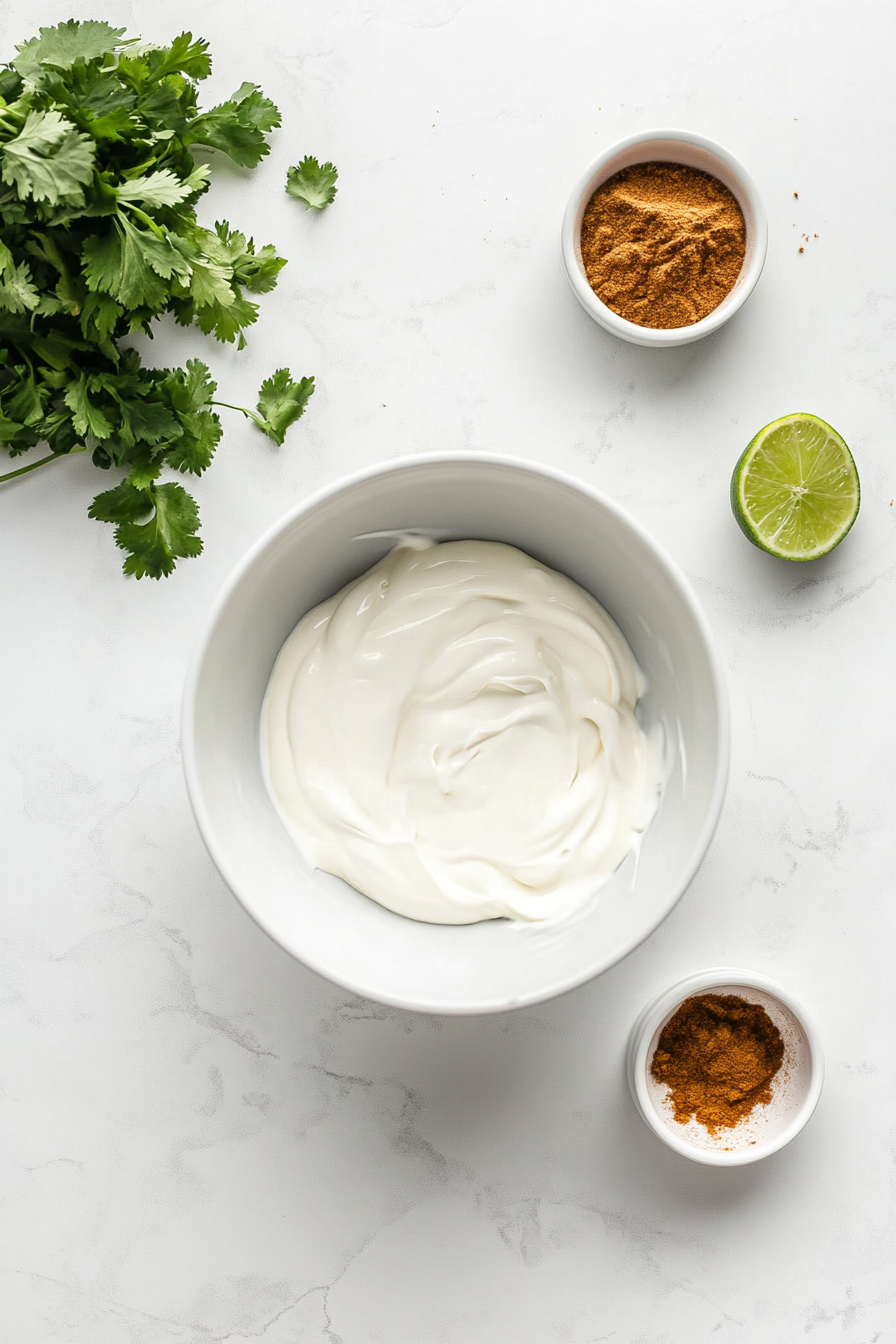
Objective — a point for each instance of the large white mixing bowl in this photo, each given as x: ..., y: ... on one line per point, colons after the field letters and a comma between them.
x: 309, y: 555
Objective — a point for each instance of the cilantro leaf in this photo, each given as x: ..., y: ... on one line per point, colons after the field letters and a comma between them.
x: 253, y: 109
x: 237, y: 127
x: 227, y: 324
x: 189, y: 392
x: 168, y: 533
x: 144, y: 421
x: 255, y: 271
x: 281, y: 402
x: 139, y: 283
x: 27, y: 403
x: 222, y: 265
x: 118, y: 264
x: 9, y: 432
x: 258, y: 271
x: 210, y: 284
x: 161, y: 107
x: 10, y: 85
x: 99, y: 316
x: 63, y: 45
x: 17, y: 292
x: 86, y: 416
x: 101, y: 102
x: 20, y: 407
x: 48, y: 160
x: 125, y: 503
x: 156, y: 189
x: 183, y: 57
x: 194, y: 450
x: 144, y: 470
x: 312, y: 182
x: 102, y: 263
x: 131, y: 265
x: 226, y: 246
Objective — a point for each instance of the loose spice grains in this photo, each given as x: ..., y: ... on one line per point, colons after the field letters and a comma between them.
x: 662, y: 243
x: 718, y: 1055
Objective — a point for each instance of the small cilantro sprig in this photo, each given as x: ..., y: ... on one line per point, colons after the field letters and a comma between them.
x: 312, y: 182
x: 168, y: 533
x: 280, y: 403
x: 98, y: 238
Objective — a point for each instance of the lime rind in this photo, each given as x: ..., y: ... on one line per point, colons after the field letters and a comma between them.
x: 795, y: 490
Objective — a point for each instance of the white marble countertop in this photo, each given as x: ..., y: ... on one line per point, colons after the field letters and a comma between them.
x: 204, y: 1142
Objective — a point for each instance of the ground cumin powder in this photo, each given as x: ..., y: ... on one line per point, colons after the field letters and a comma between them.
x: 718, y: 1054
x: 662, y: 244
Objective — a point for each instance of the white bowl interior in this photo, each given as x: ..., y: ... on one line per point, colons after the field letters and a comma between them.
x: 311, y: 554
x: 692, y: 151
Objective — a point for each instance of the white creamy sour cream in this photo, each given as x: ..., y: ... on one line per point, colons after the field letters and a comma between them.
x: 454, y: 734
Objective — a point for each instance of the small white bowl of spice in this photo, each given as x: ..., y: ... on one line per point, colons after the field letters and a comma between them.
x: 664, y: 238
x: 725, y: 1066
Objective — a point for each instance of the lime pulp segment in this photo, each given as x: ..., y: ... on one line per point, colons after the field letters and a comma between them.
x: 795, y: 490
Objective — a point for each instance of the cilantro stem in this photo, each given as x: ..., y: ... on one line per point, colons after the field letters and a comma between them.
x: 144, y: 217
x: 250, y: 415
x: 33, y: 466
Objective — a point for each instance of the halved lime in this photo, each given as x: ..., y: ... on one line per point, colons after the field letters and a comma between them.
x: 795, y: 489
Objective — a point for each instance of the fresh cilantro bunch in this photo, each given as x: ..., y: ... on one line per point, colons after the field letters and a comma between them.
x: 98, y: 237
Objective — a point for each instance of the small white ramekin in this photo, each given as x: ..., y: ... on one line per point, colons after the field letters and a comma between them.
x: 795, y: 1089
x: 694, y: 151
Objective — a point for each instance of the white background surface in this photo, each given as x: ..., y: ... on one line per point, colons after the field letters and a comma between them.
x: 202, y: 1140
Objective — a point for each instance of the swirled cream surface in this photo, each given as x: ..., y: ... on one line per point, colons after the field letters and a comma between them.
x: 454, y: 734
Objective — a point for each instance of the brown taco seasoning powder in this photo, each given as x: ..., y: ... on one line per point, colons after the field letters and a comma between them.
x: 718, y: 1054
x: 662, y: 244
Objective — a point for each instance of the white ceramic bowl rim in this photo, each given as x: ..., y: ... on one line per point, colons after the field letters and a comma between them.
x: 749, y: 200
x: 662, y: 1005
x: 589, y: 969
